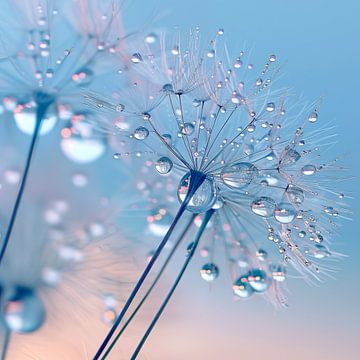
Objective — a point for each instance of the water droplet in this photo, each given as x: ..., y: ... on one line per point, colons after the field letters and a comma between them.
x: 79, y: 180
x: 204, y: 197
x: 302, y: 234
x: 308, y: 170
x: 263, y: 206
x: 83, y: 77
x: 25, y: 118
x: 261, y: 254
x: 313, y: 117
x: 295, y: 194
x: 211, y: 53
x: 258, y: 280
x: 238, y: 63
x: 168, y: 88
x: 141, y: 133
x: 278, y: 273
x: 236, y: 98
x: 188, y: 129
x: 289, y: 156
x: 270, y: 107
x: 320, y: 252
x: 272, y: 58
x: 136, y: 58
x: 163, y: 165
x: 151, y: 38
x: 22, y: 310
x: 109, y: 316
x: 209, y: 272
x: 82, y: 150
x: 167, y: 138
x: 159, y: 221
x: 239, y: 175
x: 242, y: 288
x: 284, y: 213
x: 331, y: 211
x: 175, y: 50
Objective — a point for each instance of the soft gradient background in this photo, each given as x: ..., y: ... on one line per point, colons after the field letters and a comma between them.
x: 319, y: 43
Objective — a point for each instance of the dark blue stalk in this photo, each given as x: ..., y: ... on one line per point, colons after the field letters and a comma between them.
x: 5, y: 344
x: 196, y: 179
x: 148, y: 292
x: 43, y: 102
x: 205, y: 221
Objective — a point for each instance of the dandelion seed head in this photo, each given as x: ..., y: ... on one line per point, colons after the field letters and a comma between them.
x: 267, y: 172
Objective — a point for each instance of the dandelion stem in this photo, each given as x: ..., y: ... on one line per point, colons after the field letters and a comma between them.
x: 5, y: 344
x: 42, y: 106
x: 148, y: 292
x: 196, y: 179
x: 205, y: 221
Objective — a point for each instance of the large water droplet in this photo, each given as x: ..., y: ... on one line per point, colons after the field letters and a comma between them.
x: 163, y: 165
x: 204, y: 197
x: 25, y: 118
x: 82, y: 150
x: 141, y: 133
x: 239, y: 175
x: 263, y: 206
x: 284, y: 213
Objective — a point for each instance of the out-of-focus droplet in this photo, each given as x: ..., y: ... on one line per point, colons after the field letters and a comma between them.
x: 83, y: 77
x: 261, y: 254
x: 242, y: 288
x: 209, y: 272
x: 159, y: 221
x: 278, y: 273
x: 25, y: 118
x: 258, y: 280
x: 151, y: 38
x: 79, y: 180
x: 22, y: 310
